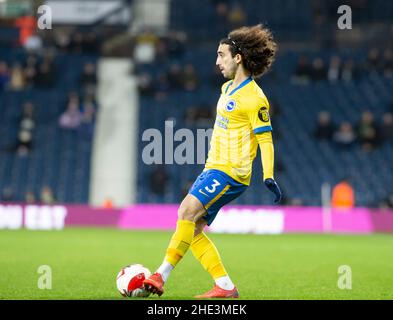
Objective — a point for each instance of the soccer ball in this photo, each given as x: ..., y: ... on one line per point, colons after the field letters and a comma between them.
x: 129, y: 281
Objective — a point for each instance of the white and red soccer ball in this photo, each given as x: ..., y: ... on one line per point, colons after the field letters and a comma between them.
x: 130, y: 279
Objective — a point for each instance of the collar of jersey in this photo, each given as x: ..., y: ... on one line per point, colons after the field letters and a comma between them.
x: 245, y: 82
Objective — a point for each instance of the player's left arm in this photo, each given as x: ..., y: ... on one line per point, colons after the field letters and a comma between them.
x: 262, y: 128
x: 265, y: 142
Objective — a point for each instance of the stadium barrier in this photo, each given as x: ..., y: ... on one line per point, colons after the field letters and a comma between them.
x: 231, y: 219
x: 56, y: 217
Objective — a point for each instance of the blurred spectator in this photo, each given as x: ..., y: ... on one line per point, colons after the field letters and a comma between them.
x: 46, y: 196
x: 91, y: 43
x: 295, y: 202
x: 325, y: 127
x: 158, y: 180
x: 27, y: 121
x: 345, y: 135
x: 175, y: 43
x: 30, y: 197
x: 24, y: 141
x: 45, y: 76
x: 4, y: 75
x: 303, y: 71
x: 349, y: 72
x: 222, y: 17
x: 24, y: 144
x: 162, y: 51
x: 145, y: 85
x: 175, y: 77
x: 17, y: 81
x: 33, y: 43
x: 62, y: 39
x: 387, y: 203
x: 147, y: 36
x: 343, y: 195
x: 76, y: 43
x: 200, y: 116
x: 88, y: 77
x: 82, y: 42
x: 86, y: 128
x: 190, y: 78
x: 31, y: 69
x: 162, y: 86
x: 27, y: 25
x: 145, y: 46
x: 108, y: 203
x: 387, y: 127
x: 387, y: 63
x: 318, y: 70
x: 7, y: 194
x: 367, y: 131
x: 237, y: 16
x: 373, y: 61
x: 334, y: 71
x: 72, y: 117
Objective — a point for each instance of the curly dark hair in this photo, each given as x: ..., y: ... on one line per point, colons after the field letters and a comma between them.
x: 256, y: 46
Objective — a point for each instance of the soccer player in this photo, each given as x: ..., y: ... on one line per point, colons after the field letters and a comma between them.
x: 242, y: 123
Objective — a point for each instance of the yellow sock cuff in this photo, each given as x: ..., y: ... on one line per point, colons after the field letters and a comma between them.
x: 180, y: 241
x: 207, y: 254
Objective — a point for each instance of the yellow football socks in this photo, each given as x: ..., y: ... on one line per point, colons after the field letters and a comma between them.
x: 206, y: 253
x: 180, y: 241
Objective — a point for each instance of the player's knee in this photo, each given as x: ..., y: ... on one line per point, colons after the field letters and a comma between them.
x: 189, y: 209
x: 199, y: 226
x: 186, y: 212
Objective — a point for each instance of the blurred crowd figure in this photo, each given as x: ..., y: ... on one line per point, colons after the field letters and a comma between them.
x: 79, y: 115
x: 158, y: 183
x: 201, y: 116
x: 69, y: 39
x: 177, y: 77
x: 343, y: 195
x: 339, y: 69
x: 148, y: 47
x: 40, y: 73
x: 23, y: 141
x: 34, y: 72
x: 387, y: 203
x: 45, y: 197
x: 368, y: 132
x: 229, y: 15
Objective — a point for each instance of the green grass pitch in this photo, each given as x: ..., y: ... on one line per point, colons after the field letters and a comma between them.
x: 85, y: 262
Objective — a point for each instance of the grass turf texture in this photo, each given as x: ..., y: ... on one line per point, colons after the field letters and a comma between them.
x: 85, y: 262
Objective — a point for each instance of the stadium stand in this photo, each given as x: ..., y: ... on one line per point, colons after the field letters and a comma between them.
x: 59, y: 158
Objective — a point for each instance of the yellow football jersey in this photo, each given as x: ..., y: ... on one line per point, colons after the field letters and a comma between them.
x: 242, y: 112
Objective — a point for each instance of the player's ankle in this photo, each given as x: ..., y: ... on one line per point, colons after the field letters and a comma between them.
x: 225, y: 283
x: 164, y: 270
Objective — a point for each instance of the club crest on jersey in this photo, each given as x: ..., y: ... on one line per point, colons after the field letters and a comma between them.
x: 230, y: 106
x: 263, y: 115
